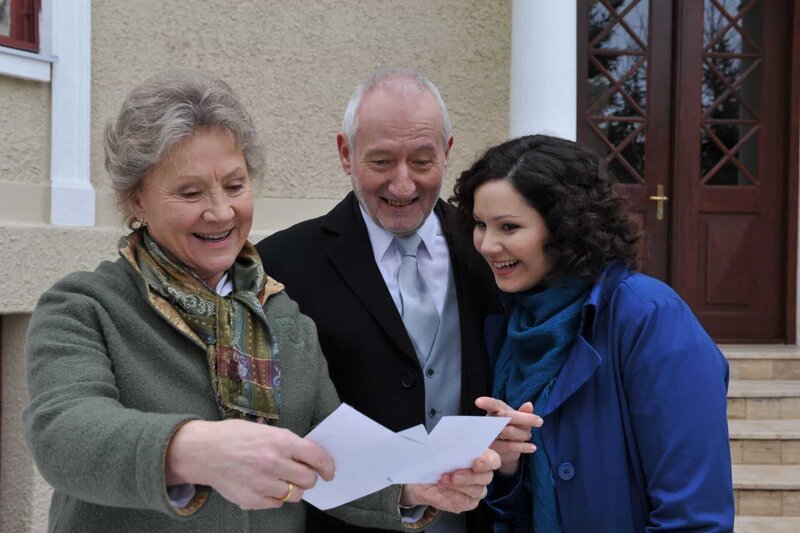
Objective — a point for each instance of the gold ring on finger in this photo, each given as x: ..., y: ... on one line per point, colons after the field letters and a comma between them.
x: 288, y: 493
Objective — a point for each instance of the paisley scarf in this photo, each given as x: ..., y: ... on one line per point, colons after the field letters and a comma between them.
x: 242, y: 354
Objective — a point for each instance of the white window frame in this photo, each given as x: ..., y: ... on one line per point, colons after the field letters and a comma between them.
x: 31, y: 65
x: 64, y: 61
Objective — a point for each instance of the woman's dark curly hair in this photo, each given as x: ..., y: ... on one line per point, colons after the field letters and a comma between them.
x: 566, y: 184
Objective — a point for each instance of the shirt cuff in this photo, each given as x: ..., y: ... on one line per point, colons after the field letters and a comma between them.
x: 412, y: 515
x: 181, y: 495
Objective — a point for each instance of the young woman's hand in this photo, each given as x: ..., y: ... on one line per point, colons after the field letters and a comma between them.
x: 515, y: 438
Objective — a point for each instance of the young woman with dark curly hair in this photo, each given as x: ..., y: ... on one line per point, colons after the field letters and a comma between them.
x: 631, y: 388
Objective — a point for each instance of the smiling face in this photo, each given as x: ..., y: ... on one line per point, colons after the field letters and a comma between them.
x: 399, y: 159
x: 510, y: 234
x: 198, y: 203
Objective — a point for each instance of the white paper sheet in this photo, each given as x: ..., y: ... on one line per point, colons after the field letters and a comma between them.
x: 370, y: 457
x: 453, y: 444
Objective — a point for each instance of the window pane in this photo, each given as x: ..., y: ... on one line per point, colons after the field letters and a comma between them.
x: 731, y: 92
x: 631, y: 71
x: 617, y: 84
x: 5, y: 18
x: 631, y: 171
x: 719, y: 169
x: 632, y: 35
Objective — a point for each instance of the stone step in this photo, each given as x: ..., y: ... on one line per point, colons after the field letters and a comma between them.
x: 785, y: 352
x: 766, y: 477
x: 767, y: 524
x: 765, y: 441
x: 764, y: 399
x: 764, y: 369
x: 765, y: 361
x: 764, y: 429
x: 767, y: 490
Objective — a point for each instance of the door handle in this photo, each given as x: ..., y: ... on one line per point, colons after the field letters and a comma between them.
x: 659, y: 198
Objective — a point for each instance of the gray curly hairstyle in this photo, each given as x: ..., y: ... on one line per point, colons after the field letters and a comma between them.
x: 163, y: 111
x: 397, y: 79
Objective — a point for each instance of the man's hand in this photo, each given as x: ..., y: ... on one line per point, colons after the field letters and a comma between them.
x: 514, y: 439
x: 457, y: 491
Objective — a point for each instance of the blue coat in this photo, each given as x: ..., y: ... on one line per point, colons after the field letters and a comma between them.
x: 635, y: 426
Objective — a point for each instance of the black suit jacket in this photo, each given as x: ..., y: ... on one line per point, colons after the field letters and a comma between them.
x: 329, y: 269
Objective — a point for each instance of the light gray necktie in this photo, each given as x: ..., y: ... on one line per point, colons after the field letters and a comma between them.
x: 418, y: 308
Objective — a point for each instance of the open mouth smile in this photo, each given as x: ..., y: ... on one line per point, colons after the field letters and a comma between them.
x: 505, y: 265
x: 398, y: 203
x: 213, y: 237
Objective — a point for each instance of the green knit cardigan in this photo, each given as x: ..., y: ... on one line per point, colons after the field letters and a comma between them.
x: 110, y: 380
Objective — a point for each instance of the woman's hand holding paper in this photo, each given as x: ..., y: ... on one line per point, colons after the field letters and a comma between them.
x: 252, y: 465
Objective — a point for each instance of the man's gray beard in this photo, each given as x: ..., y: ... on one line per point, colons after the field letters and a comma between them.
x: 357, y: 192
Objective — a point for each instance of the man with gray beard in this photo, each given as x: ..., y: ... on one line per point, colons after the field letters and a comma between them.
x: 399, y: 296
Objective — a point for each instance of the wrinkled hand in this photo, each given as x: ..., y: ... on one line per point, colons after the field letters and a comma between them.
x: 249, y: 464
x: 515, y: 438
x: 457, y: 491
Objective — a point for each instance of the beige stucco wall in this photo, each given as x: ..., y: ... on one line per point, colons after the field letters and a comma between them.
x: 24, y: 495
x: 24, y: 131
x: 24, y: 150
x: 294, y: 64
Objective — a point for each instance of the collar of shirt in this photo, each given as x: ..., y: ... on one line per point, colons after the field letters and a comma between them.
x: 382, y: 240
x: 434, y: 261
x: 224, y: 286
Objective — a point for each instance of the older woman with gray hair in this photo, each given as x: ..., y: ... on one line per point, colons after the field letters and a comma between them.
x: 170, y: 389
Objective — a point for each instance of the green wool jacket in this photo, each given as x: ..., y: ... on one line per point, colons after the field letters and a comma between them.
x: 113, y: 371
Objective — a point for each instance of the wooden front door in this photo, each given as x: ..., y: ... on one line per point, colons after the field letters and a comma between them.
x: 690, y: 97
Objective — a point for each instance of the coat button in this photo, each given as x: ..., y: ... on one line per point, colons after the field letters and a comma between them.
x: 566, y: 471
x: 429, y: 372
x: 407, y: 381
x: 431, y: 413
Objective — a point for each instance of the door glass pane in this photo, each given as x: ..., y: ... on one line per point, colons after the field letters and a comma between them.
x: 731, y: 92
x: 618, y: 25
x: 617, y: 84
x: 622, y: 89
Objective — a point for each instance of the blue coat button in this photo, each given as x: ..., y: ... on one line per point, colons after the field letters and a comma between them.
x: 566, y: 471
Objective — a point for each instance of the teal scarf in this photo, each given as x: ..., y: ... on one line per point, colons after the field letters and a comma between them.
x: 541, y: 329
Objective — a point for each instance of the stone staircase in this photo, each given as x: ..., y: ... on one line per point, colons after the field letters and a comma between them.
x: 764, y: 424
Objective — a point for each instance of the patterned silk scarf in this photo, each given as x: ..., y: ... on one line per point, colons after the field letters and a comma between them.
x: 242, y: 354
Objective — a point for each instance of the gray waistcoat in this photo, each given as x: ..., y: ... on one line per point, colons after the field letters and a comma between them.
x: 442, y: 371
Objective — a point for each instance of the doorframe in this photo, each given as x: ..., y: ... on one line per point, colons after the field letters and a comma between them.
x: 793, y: 175
x: 791, y: 329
